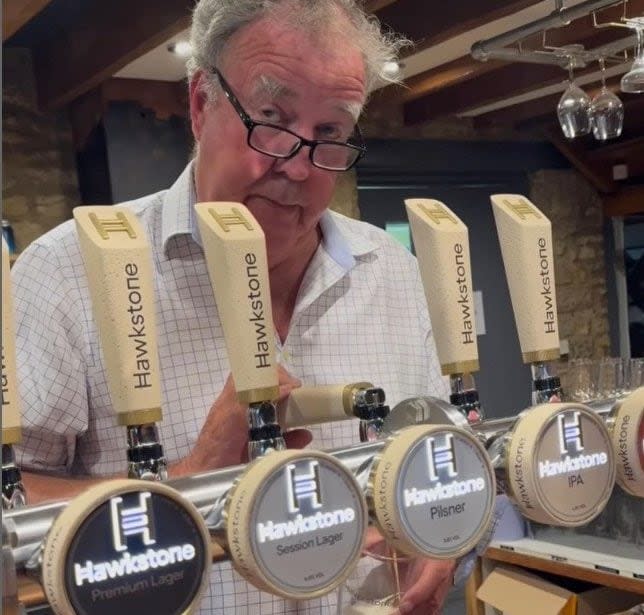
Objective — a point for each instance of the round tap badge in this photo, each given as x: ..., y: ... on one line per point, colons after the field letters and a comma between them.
x: 432, y: 491
x: 628, y: 442
x: 127, y: 547
x: 561, y: 467
x: 295, y: 522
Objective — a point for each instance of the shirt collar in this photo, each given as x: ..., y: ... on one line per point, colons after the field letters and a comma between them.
x: 178, y: 207
x: 341, y: 246
x: 178, y: 218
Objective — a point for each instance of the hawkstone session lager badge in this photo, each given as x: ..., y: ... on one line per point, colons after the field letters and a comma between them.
x: 295, y: 523
x: 126, y: 547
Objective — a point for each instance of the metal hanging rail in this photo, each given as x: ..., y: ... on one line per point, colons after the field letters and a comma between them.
x: 495, y: 47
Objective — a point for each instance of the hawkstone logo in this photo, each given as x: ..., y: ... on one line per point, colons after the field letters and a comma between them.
x: 128, y: 522
x: 571, y: 445
x: 303, y: 488
x: 441, y: 460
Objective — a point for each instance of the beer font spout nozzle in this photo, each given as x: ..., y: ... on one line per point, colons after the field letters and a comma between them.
x: 13, y: 491
x: 465, y: 396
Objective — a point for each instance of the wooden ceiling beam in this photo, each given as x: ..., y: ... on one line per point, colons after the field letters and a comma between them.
x: 16, y: 13
x: 538, y: 109
x: 505, y: 82
x: 371, y: 6
x: 495, y: 86
x: 583, y: 29
x: 102, y: 42
x: 460, y: 85
x: 628, y: 201
x: 427, y: 24
x: 446, y: 75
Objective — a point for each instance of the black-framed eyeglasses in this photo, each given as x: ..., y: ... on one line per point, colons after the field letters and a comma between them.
x: 279, y: 142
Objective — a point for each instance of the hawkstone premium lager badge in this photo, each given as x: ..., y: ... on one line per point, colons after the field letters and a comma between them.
x: 295, y: 522
x: 126, y: 547
x: 560, y: 464
x: 432, y: 491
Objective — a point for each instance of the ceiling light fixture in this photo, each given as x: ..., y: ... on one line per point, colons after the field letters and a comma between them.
x: 392, y: 69
x: 181, y: 48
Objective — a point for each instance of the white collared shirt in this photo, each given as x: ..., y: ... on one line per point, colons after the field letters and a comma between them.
x: 360, y: 316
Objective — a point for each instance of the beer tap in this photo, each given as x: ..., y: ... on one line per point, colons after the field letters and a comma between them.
x: 525, y: 235
x: 118, y: 262
x: 235, y: 252
x: 625, y: 421
x: 442, y: 245
x: 13, y: 491
x: 521, y: 447
x: 319, y: 404
x: 526, y: 244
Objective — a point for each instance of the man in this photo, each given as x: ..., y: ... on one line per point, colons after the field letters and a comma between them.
x: 275, y: 92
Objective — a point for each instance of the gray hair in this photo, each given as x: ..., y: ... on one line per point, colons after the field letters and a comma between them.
x: 215, y: 21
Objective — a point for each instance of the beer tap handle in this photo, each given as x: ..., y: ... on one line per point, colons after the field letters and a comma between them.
x: 235, y: 251
x: 11, y: 431
x: 118, y: 263
x: 319, y: 404
x: 13, y: 493
x: 525, y: 235
x: 442, y: 247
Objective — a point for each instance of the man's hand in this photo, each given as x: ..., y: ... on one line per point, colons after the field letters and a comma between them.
x: 223, y: 440
x: 424, y: 583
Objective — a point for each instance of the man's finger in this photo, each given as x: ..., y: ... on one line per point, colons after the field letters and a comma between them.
x: 298, y: 438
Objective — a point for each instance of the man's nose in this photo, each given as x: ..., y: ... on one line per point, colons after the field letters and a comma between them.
x: 297, y: 168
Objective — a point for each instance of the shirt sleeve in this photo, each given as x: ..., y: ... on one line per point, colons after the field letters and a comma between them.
x: 51, y: 372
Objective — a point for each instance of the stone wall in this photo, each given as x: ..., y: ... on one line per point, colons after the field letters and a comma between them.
x: 575, y: 211
x: 39, y: 180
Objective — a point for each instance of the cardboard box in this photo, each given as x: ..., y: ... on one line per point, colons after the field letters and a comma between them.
x: 513, y: 591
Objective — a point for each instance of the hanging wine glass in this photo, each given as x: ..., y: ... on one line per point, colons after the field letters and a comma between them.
x: 633, y: 81
x: 573, y: 109
x: 606, y: 111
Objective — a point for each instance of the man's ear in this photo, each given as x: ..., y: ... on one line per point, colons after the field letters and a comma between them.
x: 198, y: 103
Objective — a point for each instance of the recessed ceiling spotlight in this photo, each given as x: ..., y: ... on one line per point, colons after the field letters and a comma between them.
x: 392, y: 69
x: 181, y: 48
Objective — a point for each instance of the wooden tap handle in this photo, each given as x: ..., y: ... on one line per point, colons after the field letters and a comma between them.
x: 118, y: 263
x: 319, y: 404
x: 443, y: 251
x: 525, y: 235
x: 235, y: 251
x: 11, y: 431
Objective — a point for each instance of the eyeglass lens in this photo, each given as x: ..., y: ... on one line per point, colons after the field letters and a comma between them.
x: 276, y: 142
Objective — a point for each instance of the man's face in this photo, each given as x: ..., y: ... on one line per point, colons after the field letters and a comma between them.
x: 288, y: 78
